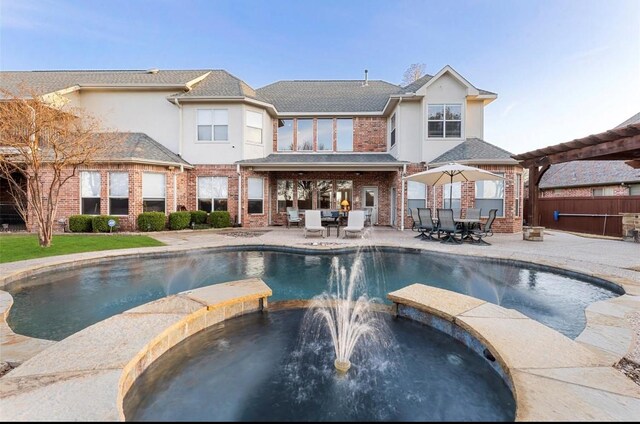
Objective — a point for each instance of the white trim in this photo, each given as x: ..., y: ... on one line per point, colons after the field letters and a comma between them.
x: 471, y: 90
x: 254, y: 198
x: 212, y: 125
x: 463, y: 113
x: 145, y: 162
x: 109, y: 197
x: 213, y: 199
x: 504, y: 194
x: 152, y: 198
x: 90, y: 197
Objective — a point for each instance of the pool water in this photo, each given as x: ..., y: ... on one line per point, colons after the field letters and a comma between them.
x: 255, y: 368
x: 56, y: 304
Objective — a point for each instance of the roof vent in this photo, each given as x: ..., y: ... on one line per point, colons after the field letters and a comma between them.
x: 153, y: 71
x: 366, y: 78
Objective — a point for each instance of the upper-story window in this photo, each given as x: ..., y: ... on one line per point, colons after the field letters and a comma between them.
x: 325, y: 134
x: 213, y: 125
x: 444, y: 121
x: 393, y: 130
x: 285, y: 134
x: 254, y: 127
x: 305, y: 134
x: 344, y: 132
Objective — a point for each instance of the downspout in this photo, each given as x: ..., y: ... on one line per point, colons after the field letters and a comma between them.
x: 177, y: 103
x: 404, y: 173
x: 239, y: 194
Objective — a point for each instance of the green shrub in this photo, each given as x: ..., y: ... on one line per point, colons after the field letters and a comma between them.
x: 80, y: 223
x: 100, y: 223
x: 199, y: 217
x: 220, y: 219
x: 179, y: 220
x: 151, y: 221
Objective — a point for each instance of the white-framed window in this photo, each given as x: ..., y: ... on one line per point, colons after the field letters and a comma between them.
x: 255, y: 195
x: 344, y: 133
x: 393, y: 130
x: 305, y: 194
x: 444, y: 121
x: 325, y: 134
x: 118, y: 193
x: 213, y: 193
x: 634, y: 190
x: 416, y: 195
x: 153, y: 192
x: 285, y: 135
x: 344, y: 191
x: 90, y: 192
x: 305, y: 134
x: 490, y: 195
x: 213, y: 124
x: 254, y: 127
x: 517, y: 193
x: 324, y: 193
x: 285, y: 194
x: 602, y: 191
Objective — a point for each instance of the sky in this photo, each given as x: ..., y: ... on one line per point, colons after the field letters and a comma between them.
x: 563, y: 69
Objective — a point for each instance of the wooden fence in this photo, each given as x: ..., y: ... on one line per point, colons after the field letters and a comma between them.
x: 591, y: 215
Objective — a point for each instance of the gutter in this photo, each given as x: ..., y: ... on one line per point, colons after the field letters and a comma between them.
x: 239, y: 194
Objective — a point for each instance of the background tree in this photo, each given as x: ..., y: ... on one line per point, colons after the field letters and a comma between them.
x: 42, y: 146
x: 414, y: 72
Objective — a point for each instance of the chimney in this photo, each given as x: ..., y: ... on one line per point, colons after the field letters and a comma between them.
x: 366, y: 78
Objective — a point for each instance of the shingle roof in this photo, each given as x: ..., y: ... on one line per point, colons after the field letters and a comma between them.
x: 633, y: 120
x: 324, y: 158
x: 589, y: 172
x: 328, y: 96
x: 134, y: 147
x: 411, y: 88
x: 220, y: 83
x: 49, y: 81
x: 474, y: 149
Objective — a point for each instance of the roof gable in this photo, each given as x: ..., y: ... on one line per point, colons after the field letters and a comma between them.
x: 474, y: 150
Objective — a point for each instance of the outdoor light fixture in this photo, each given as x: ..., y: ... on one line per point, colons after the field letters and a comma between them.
x: 345, y: 204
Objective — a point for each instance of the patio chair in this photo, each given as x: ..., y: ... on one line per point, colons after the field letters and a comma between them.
x: 367, y: 216
x: 447, y: 225
x: 473, y: 213
x: 427, y: 225
x: 313, y: 223
x: 485, y: 230
x: 416, y: 219
x: 355, y: 223
x: 293, y: 216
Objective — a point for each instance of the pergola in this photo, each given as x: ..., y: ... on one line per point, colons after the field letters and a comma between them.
x: 617, y: 144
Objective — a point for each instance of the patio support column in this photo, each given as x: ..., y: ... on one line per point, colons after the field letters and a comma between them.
x: 533, y: 218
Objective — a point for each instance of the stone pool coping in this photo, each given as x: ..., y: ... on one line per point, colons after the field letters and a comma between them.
x: 552, y: 377
x: 86, y: 376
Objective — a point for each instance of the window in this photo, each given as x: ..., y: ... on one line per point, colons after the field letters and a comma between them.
x: 285, y: 134
x: 456, y: 190
x: 604, y: 191
x: 416, y: 195
x: 305, y: 195
x: 325, y: 193
x: 325, y: 134
x: 153, y: 192
x: 490, y: 195
x: 118, y: 193
x: 90, y: 193
x: 393, y: 130
x: 285, y: 195
x: 255, y: 195
x: 444, y: 121
x: 634, y: 190
x: 213, y: 193
x: 345, y: 135
x: 344, y: 190
x: 254, y: 127
x: 305, y: 134
x: 213, y: 125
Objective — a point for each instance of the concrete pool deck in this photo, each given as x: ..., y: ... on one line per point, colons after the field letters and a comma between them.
x: 609, y: 333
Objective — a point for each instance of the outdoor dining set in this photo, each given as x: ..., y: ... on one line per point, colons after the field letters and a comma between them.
x: 449, y: 227
x: 321, y: 221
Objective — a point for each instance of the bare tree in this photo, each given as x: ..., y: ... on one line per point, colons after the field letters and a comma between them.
x: 42, y: 146
x: 413, y: 73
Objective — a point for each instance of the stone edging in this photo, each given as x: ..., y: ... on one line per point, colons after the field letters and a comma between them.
x: 86, y: 376
x: 553, y: 378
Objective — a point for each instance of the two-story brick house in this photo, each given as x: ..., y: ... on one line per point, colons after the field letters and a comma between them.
x: 204, y: 139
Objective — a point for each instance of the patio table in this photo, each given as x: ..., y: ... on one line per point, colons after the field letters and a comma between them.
x: 466, y: 225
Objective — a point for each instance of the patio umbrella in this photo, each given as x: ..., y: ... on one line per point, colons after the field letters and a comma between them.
x: 452, y: 173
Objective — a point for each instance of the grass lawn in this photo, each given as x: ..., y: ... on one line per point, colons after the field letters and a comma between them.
x: 20, y: 247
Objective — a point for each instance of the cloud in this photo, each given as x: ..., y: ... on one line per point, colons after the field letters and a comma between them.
x: 588, y: 54
x: 508, y: 109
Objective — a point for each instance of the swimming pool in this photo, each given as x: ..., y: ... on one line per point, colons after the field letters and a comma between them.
x: 55, y: 304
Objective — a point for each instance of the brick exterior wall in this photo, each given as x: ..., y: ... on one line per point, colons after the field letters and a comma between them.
x: 191, y: 190
x: 618, y: 190
x: 369, y: 134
